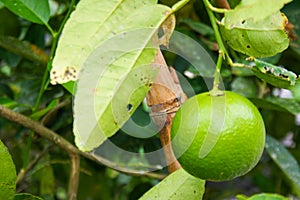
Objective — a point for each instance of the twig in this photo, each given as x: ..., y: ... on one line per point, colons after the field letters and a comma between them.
x: 164, y: 99
x: 74, y: 177
x: 49, y: 114
x: 66, y: 145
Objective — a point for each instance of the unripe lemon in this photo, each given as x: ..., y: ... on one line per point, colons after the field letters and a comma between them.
x: 218, y: 137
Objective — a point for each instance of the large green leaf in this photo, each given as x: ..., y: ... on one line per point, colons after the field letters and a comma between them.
x: 263, y: 38
x: 115, y: 53
x: 7, y: 174
x: 178, y: 185
x: 254, y: 10
x: 32, y: 10
x: 285, y: 161
x: 279, y: 104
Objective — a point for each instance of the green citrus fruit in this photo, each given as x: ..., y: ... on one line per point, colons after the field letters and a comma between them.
x: 218, y: 137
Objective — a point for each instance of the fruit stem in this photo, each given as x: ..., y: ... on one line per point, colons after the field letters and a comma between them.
x: 216, y: 91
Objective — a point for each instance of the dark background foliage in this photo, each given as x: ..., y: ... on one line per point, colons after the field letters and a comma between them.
x: 21, y: 74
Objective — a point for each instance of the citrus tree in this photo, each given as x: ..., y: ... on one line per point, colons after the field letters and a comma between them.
x: 140, y: 99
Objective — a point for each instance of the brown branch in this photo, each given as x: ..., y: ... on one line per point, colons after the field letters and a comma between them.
x: 66, y: 145
x: 74, y: 177
x: 164, y: 99
x: 222, y: 4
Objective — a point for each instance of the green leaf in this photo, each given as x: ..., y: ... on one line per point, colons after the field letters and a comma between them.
x: 264, y: 38
x: 178, y: 185
x: 8, y: 175
x: 290, y: 105
x: 279, y: 104
x: 263, y: 196
x: 285, y: 161
x: 254, y: 10
x: 95, y: 21
x: 276, y: 76
x: 8, y: 103
x: 25, y: 196
x: 32, y: 10
x: 69, y: 86
x: 37, y: 115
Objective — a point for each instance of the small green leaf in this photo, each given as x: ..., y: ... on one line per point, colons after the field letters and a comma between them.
x: 32, y: 10
x: 25, y: 196
x: 8, y: 103
x: 263, y: 196
x: 8, y: 175
x: 178, y: 185
x: 37, y: 115
x: 285, y: 161
x: 255, y: 10
x: 276, y: 76
x: 264, y: 38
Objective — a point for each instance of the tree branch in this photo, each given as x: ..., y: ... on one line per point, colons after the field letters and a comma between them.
x: 66, y: 145
x: 164, y: 99
x: 74, y: 177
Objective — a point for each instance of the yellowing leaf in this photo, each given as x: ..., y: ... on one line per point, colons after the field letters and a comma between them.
x: 95, y: 21
x: 116, y: 67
